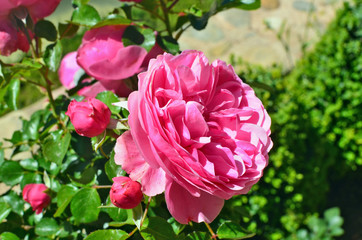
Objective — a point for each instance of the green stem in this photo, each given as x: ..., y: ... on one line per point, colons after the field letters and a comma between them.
x: 101, y: 186
x: 146, y: 210
x: 167, y: 20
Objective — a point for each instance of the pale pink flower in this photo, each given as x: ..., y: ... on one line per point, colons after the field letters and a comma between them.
x: 197, y: 133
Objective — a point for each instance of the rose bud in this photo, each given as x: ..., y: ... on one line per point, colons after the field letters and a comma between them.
x: 89, y: 118
x: 125, y: 193
x: 34, y: 194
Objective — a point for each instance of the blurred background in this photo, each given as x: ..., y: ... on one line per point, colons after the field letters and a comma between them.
x: 303, y: 58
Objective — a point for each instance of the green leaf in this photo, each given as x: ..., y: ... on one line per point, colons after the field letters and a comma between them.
x: 333, y: 217
x: 15, y: 202
x: 2, y: 154
x: 198, y: 236
x: 137, y: 214
x: 117, y: 214
x: 242, y: 4
x: 157, y: 228
x: 47, y: 227
x: 108, y: 97
x: 134, y: 35
x: 176, y: 226
x: 84, y: 205
x: 107, y: 234
x: 232, y: 230
x: 8, y: 236
x: 112, y: 169
x: 64, y: 196
x: 55, y: 146
x: 31, y: 127
x: 5, y: 209
x: 67, y: 30
x: 12, y: 94
x: 53, y: 55
x: 113, y: 21
x: 85, y: 15
x: 29, y: 164
x: 169, y: 44
x: 46, y: 29
x: 88, y: 176
x: 30, y: 178
x: 11, y: 172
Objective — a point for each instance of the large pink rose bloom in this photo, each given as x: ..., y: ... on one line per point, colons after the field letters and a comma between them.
x: 103, y: 56
x: 10, y: 38
x: 197, y: 133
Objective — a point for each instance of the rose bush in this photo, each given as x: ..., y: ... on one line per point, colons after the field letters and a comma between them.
x: 197, y: 133
x: 34, y: 194
x: 89, y: 118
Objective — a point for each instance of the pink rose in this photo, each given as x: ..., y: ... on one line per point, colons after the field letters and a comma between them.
x: 69, y: 67
x: 103, y: 56
x: 197, y: 133
x: 125, y: 193
x: 11, y: 38
x: 34, y: 194
x: 89, y: 118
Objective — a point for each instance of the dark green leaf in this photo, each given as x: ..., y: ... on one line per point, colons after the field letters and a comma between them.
x: 84, y: 205
x: 55, y: 146
x: 46, y: 29
x: 47, y: 227
x: 88, y: 176
x: 12, y: 94
x: 53, y: 55
x: 31, y: 127
x: 15, y: 202
x: 176, y: 226
x: 30, y: 178
x: 117, y: 214
x: 169, y: 44
x: 64, y: 196
x: 67, y: 30
x: 2, y: 154
x: 11, y: 172
x: 232, y: 230
x: 108, y: 98
x: 157, y: 228
x: 85, y: 15
x: 144, y: 37
x: 107, y: 234
x: 5, y: 209
x: 198, y: 236
x: 8, y: 236
x: 242, y: 4
x: 29, y: 164
x: 112, y: 169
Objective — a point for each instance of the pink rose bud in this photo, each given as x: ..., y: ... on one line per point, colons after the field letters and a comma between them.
x: 125, y: 193
x: 89, y: 118
x: 34, y: 194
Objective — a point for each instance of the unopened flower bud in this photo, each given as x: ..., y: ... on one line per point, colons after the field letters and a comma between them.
x: 34, y: 194
x: 125, y: 193
x: 89, y: 118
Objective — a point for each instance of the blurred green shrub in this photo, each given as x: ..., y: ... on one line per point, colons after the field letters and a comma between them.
x: 317, y: 131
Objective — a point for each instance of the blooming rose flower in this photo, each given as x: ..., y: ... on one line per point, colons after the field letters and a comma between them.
x: 89, y: 118
x: 125, y: 193
x: 103, y: 56
x: 68, y: 69
x: 10, y: 38
x: 197, y: 133
x: 34, y: 194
